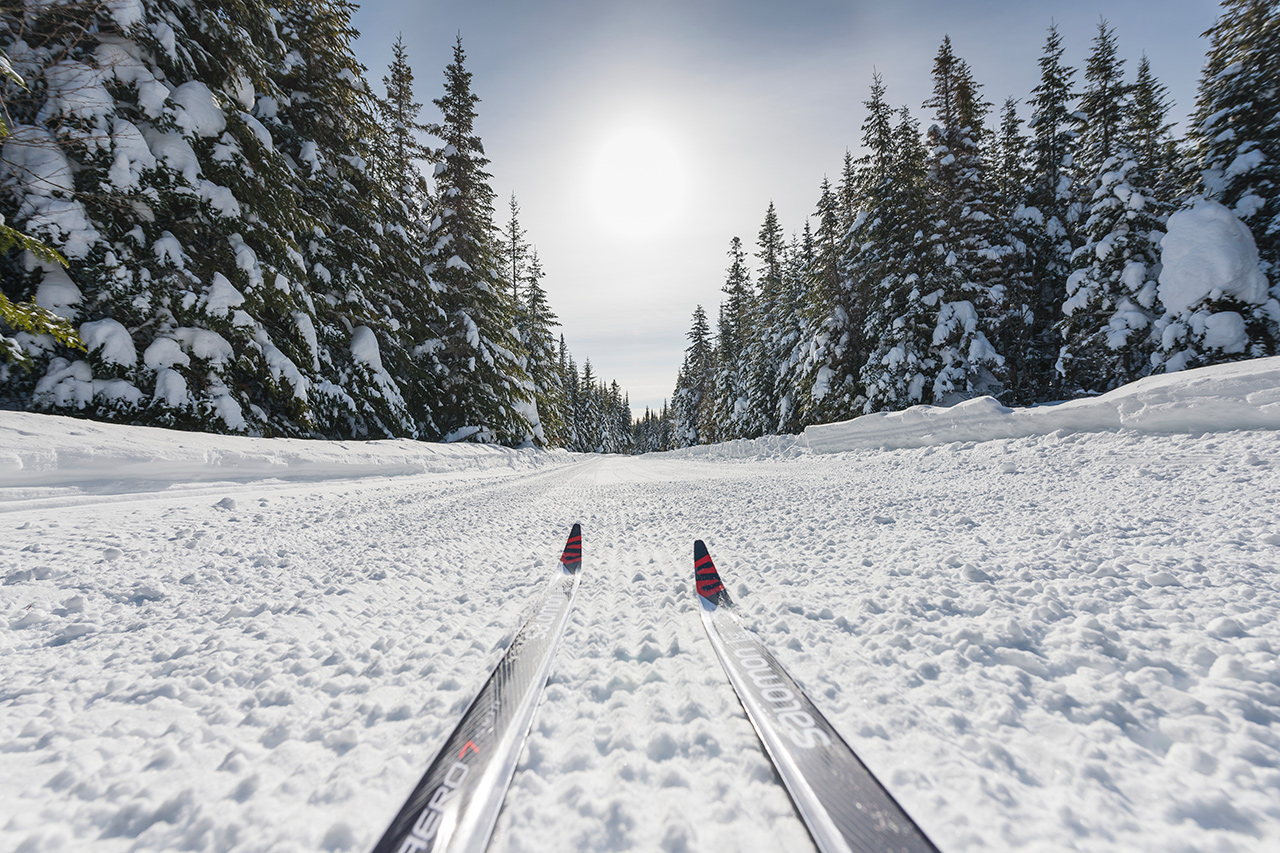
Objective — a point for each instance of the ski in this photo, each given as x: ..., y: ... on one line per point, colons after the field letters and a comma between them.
x: 843, y: 805
x: 455, y: 805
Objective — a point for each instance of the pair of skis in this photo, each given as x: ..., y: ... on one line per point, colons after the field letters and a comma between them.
x: 455, y: 805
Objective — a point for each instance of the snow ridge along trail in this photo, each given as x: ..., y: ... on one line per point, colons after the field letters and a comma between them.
x: 1064, y: 641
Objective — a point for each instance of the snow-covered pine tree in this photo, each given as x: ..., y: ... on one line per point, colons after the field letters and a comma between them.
x: 590, y: 412
x: 1110, y: 309
x: 540, y: 348
x: 733, y: 346
x: 965, y: 280
x: 376, y: 306
x: 1235, y: 137
x: 1050, y: 213
x: 485, y: 394
x: 404, y: 149
x: 1102, y: 110
x: 26, y: 317
x: 901, y: 323
x: 798, y: 333
x: 1013, y: 324
x: 829, y: 385
x: 130, y: 155
x: 694, y: 393
x: 1150, y: 134
x: 769, y: 343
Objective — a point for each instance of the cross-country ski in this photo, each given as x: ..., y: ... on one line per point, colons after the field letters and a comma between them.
x: 844, y: 806
x: 456, y: 803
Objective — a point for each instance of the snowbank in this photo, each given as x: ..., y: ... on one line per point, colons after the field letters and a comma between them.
x: 1242, y: 395
x: 48, y: 450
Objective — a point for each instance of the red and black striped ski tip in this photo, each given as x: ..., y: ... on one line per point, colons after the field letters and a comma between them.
x: 571, y: 559
x: 844, y: 806
x: 456, y: 803
x: 707, y: 578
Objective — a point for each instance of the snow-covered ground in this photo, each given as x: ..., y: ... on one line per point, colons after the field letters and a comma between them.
x: 1045, y: 630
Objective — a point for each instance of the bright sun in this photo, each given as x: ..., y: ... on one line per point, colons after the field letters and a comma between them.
x: 637, y: 181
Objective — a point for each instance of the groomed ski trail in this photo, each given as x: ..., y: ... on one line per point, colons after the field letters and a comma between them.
x: 1053, y: 643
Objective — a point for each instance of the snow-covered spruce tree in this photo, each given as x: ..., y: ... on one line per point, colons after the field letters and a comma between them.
x: 403, y: 150
x: 1150, y: 134
x: 695, y: 387
x: 571, y: 433
x: 1235, y: 138
x: 540, y: 347
x: 590, y: 413
x: 1049, y: 214
x: 375, y: 304
x: 129, y: 155
x: 829, y: 387
x: 770, y: 340
x: 964, y: 282
x: 734, y: 341
x: 901, y: 321
x: 799, y: 331
x: 485, y: 394
x: 25, y: 317
x: 1013, y: 324
x: 1110, y: 308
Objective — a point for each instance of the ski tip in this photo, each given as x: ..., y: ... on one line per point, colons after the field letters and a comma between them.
x: 706, y: 578
x: 571, y: 559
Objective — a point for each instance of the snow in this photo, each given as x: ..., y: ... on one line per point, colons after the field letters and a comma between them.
x: 164, y: 353
x: 111, y: 341
x: 32, y: 158
x: 1242, y: 395
x: 57, y: 292
x: 1059, y: 639
x: 1207, y: 248
x: 221, y: 296
x: 199, y: 112
x: 126, y: 12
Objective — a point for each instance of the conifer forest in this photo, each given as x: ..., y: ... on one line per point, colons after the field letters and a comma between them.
x: 216, y: 219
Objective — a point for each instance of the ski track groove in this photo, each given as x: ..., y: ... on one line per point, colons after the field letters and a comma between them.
x: 1052, y: 643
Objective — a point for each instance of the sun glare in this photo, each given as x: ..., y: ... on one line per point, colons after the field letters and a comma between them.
x: 637, y: 181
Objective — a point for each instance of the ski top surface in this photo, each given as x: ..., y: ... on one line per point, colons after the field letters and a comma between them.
x: 843, y: 805
x: 455, y: 805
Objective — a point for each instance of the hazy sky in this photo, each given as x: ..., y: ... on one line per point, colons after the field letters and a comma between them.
x: 716, y: 108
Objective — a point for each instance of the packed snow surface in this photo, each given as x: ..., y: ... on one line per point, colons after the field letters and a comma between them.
x: 1059, y: 636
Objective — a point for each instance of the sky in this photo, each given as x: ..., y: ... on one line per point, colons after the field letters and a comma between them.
x: 699, y: 113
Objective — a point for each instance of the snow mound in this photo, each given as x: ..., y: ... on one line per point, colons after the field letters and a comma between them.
x: 1242, y: 395
x: 45, y: 451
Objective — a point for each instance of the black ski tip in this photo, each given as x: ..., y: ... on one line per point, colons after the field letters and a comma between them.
x: 571, y: 559
x: 706, y: 578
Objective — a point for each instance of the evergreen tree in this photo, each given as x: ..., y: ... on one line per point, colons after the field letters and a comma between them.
x: 1102, y: 110
x: 1150, y: 135
x: 729, y: 408
x: 829, y: 387
x: 1050, y: 213
x: 964, y: 282
x: 901, y: 363
x: 1013, y: 324
x: 693, y: 397
x: 1111, y: 294
x: 399, y: 112
x: 129, y: 156
x: 769, y: 344
x: 485, y: 393
x: 1235, y: 138
x: 540, y: 346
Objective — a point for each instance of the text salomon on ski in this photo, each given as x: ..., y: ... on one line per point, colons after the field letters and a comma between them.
x: 844, y: 806
x: 456, y: 803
